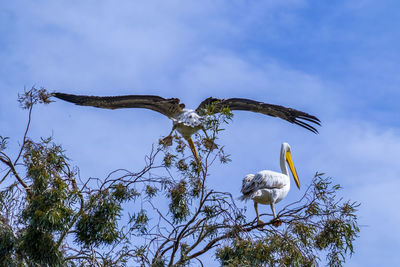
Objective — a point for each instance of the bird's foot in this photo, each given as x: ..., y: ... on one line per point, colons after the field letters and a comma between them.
x: 260, y: 223
x: 209, y: 144
x: 167, y: 141
x: 276, y: 222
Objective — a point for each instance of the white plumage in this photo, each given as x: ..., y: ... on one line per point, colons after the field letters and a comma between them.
x: 269, y: 187
x: 188, y: 122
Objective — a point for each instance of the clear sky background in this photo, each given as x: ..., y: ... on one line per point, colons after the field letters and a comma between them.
x: 338, y: 60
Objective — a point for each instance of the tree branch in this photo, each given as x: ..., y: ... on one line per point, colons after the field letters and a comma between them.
x: 12, y: 168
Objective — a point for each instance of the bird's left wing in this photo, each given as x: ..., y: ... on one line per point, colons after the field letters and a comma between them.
x: 215, y: 105
x: 169, y: 107
x: 270, y: 180
x: 262, y: 180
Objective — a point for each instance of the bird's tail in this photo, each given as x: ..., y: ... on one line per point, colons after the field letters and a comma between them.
x: 244, y: 197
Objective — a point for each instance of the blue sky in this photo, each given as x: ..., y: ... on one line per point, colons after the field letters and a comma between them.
x: 338, y: 60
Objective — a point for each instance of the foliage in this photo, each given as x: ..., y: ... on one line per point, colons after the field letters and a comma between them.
x: 163, y: 215
x: 319, y: 222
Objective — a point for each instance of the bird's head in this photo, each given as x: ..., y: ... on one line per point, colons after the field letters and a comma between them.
x: 286, y: 151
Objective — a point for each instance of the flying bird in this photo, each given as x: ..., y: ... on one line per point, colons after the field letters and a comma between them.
x: 188, y: 121
x: 269, y: 187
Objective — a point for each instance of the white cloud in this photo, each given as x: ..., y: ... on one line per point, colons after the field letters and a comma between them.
x: 225, y: 75
x: 129, y: 44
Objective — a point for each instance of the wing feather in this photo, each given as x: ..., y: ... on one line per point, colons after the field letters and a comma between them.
x: 215, y: 105
x: 169, y: 107
x: 262, y: 180
x: 270, y: 180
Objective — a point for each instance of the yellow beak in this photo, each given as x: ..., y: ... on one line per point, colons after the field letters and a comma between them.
x: 194, y: 151
x: 292, y: 168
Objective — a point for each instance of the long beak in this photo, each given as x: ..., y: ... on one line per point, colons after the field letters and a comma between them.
x: 194, y: 151
x: 292, y: 168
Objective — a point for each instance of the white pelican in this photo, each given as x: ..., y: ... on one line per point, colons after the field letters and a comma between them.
x: 269, y: 187
x: 188, y: 121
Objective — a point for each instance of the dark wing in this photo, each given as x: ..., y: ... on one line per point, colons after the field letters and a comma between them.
x: 215, y: 105
x: 169, y: 107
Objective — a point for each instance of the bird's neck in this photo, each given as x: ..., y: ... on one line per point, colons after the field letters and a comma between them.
x: 284, y: 167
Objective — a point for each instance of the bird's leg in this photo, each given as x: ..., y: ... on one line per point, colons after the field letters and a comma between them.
x: 275, y: 221
x: 205, y: 132
x: 194, y: 151
x: 273, y: 210
x: 167, y: 141
x: 258, y: 217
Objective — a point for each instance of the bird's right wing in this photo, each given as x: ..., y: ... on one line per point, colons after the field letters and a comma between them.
x: 169, y: 107
x: 215, y: 105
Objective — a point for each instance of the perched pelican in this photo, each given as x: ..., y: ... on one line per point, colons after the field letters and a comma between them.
x: 188, y: 121
x: 269, y: 187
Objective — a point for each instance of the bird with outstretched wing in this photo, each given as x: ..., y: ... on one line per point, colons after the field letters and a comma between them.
x: 188, y: 121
